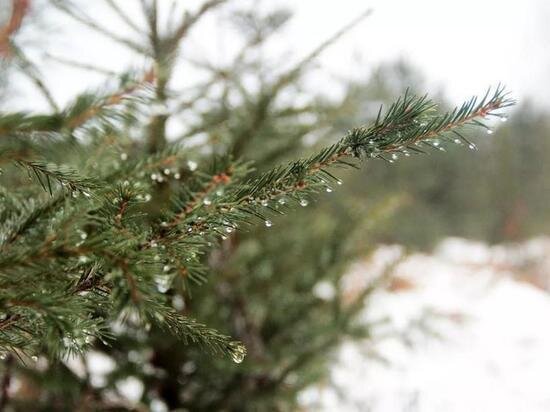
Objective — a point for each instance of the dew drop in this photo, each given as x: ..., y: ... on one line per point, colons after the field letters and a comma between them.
x: 472, y: 146
x: 282, y: 201
x: 156, y: 258
x: 238, y: 354
x: 148, y: 197
x: 328, y: 189
x: 394, y: 156
x: 264, y: 202
x: 123, y: 156
x: 229, y: 229
x: 457, y: 140
x: 304, y: 203
x: 34, y: 358
x: 207, y: 201
x: 167, y: 172
x: 268, y: 223
x: 177, y: 176
x: 504, y: 119
x: 339, y: 182
x: 490, y: 131
x: 192, y: 165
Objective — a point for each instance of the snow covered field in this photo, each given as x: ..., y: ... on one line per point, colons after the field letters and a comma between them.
x: 467, y: 329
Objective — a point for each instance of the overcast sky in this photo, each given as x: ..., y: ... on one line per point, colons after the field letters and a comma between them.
x: 461, y: 46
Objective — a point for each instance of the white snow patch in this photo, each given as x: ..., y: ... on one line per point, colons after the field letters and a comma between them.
x: 478, y: 336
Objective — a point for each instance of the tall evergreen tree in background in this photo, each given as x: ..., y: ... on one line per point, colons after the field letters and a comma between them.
x: 174, y: 256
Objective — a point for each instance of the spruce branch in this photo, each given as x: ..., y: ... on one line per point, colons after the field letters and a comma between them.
x: 123, y: 16
x: 84, y: 108
x: 408, y: 124
x: 192, y: 331
x: 72, y: 11
x: 46, y: 172
x: 190, y: 19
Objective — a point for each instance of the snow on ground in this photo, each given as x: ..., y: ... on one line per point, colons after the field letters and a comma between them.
x: 467, y: 329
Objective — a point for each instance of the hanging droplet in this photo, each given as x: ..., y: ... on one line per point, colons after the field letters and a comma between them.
x: 177, y: 176
x: 163, y: 283
x: 219, y: 192
x: 395, y: 156
x: 86, y: 194
x: 224, y: 237
x: 304, y: 203
x: 123, y: 156
x: 177, y: 302
x: 436, y: 143
x: 268, y: 223
x: 156, y: 258
x: 34, y: 358
x: 229, y: 229
x: 282, y: 201
x: 167, y: 172
x: 207, y: 201
x: 490, y: 131
x: 148, y: 197
x: 192, y: 165
x: 83, y: 235
x: 264, y: 202
x: 328, y: 189
x: 238, y: 354
x: 339, y: 182
x: 441, y: 149
x: 154, y: 243
x: 457, y: 141
x: 503, y: 118
x: 164, y: 224
x: 166, y: 268
x: 472, y: 146
x: 154, y: 176
x: 126, y: 183
x: 3, y: 356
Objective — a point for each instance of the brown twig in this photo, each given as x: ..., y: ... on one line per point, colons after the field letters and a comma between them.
x: 19, y: 10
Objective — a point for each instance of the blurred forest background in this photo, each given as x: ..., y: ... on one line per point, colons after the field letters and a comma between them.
x: 277, y: 289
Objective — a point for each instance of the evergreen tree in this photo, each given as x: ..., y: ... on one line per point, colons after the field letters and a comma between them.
x: 119, y: 239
